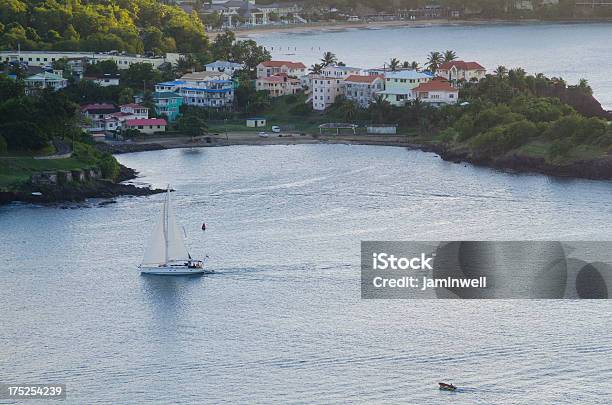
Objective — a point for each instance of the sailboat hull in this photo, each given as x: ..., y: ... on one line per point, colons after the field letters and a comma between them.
x: 173, y: 270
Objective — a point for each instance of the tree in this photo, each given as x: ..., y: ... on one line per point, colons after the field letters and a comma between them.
x: 126, y: 96
x: 316, y: 69
x: 379, y: 109
x: 192, y: 125
x: 450, y: 56
x: 140, y: 75
x: 434, y: 60
x: 329, y: 59
x: 394, y: 64
x: 501, y: 71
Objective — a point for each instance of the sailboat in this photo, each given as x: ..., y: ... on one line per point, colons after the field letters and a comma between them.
x: 166, y: 253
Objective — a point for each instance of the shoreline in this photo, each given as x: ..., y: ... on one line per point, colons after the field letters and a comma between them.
x: 248, y: 33
x: 596, y: 169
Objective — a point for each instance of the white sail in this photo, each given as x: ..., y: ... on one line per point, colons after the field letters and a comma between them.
x: 155, y: 252
x: 176, y: 249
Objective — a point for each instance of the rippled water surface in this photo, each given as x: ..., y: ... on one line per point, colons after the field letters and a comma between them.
x: 571, y: 51
x: 282, y: 320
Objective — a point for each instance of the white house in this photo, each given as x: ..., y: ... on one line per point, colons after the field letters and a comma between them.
x: 46, y: 58
x: 105, y: 79
x: 273, y: 67
x: 329, y: 85
x: 436, y: 92
x: 458, y: 71
x: 223, y: 66
x: 146, y: 126
x: 363, y: 89
x: 44, y: 80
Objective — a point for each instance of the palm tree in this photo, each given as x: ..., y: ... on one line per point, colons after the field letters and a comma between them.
x: 450, y: 56
x: 328, y: 59
x: 379, y: 109
x: 316, y: 69
x: 414, y: 65
x: 434, y: 60
x: 501, y: 71
x: 394, y: 64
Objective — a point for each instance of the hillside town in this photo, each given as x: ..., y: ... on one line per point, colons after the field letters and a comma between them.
x: 214, y: 87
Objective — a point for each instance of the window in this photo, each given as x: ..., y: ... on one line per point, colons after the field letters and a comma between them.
x: 451, y: 96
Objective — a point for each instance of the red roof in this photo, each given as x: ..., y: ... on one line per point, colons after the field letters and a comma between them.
x: 436, y: 85
x: 146, y: 121
x: 363, y: 79
x: 280, y: 63
x: 459, y: 64
x: 279, y: 78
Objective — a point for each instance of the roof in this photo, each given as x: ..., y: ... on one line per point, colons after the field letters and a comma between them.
x: 462, y: 65
x: 224, y: 63
x: 98, y: 107
x: 146, y: 121
x: 133, y: 105
x: 280, y: 63
x: 103, y: 76
x: 408, y: 74
x: 202, y: 75
x: 256, y: 118
x: 363, y: 79
x: 436, y: 85
x: 279, y: 78
x: 45, y: 76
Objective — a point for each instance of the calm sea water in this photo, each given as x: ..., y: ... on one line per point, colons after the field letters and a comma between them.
x: 571, y: 51
x: 282, y: 320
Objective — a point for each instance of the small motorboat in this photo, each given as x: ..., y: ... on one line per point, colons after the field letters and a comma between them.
x: 447, y: 387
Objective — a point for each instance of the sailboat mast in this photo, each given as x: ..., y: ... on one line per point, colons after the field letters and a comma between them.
x: 166, y: 209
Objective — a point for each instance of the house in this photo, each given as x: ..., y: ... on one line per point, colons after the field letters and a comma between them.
x: 105, y: 79
x: 363, y: 89
x: 436, y: 92
x: 223, y: 66
x: 273, y: 67
x: 459, y: 71
x: 256, y: 122
x: 399, y: 85
x: 44, y: 80
x: 134, y: 110
x: 278, y: 85
x: 330, y: 84
x: 167, y: 103
x: 210, y: 89
x: 123, y: 60
x: 146, y: 125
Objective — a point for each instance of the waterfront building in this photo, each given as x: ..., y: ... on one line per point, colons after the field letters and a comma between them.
x: 106, y: 119
x: 436, y: 92
x: 329, y: 85
x: 167, y: 104
x: 44, y: 80
x: 459, y: 71
x: 146, y: 125
x: 123, y: 60
x: 223, y: 66
x: 363, y: 89
x: 278, y: 85
x: 209, y: 89
x: 104, y: 79
x: 273, y: 67
x: 399, y: 85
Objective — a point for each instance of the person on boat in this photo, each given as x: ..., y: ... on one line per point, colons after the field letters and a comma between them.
x: 203, y: 226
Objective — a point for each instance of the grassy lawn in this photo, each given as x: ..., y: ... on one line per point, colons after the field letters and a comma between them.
x: 17, y: 170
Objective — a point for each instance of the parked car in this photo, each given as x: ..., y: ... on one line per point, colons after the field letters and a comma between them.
x: 263, y: 134
x: 276, y: 129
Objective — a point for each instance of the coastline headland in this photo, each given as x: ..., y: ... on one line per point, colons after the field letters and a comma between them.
x: 593, y: 169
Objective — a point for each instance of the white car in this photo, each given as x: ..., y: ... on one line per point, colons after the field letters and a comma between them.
x: 263, y: 134
x: 276, y: 129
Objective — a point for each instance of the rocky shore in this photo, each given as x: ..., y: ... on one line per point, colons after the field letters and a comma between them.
x: 78, y: 192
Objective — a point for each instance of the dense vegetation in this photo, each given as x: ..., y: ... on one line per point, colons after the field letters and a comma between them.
x: 29, y: 125
x: 95, y: 25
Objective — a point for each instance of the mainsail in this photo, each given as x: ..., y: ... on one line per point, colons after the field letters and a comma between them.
x: 166, y: 243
